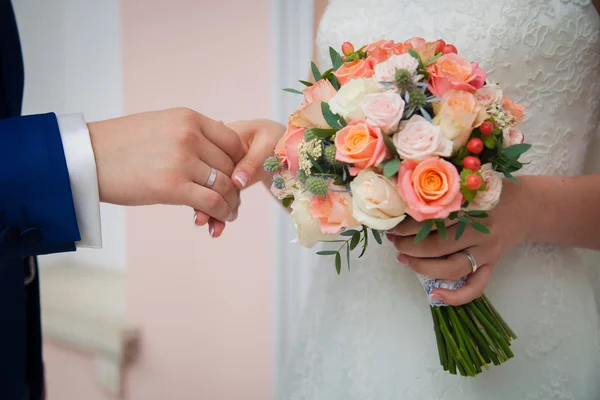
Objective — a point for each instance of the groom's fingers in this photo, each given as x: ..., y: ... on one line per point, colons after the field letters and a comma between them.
x: 476, y: 284
x: 221, y: 136
x: 206, y: 200
x: 222, y: 184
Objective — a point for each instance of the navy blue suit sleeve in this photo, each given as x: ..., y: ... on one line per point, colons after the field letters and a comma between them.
x: 37, y: 215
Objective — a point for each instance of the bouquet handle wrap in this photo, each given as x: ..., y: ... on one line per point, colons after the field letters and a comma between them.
x: 431, y: 283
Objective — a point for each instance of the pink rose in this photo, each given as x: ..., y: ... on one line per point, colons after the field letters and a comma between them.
x: 355, y: 69
x: 452, y: 71
x: 386, y: 71
x: 334, y: 211
x: 361, y: 145
x: 380, y: 50
x: 488, y: 95
x: 287, y: 147
x: 321, y: 91
x: 511, y: 135
x: 489, y: 198
x: 419, y: 139
x: 384, y: 110
x: 431, y: 188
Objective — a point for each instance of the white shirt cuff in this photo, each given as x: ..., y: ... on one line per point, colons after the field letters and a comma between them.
x: 83, y: 176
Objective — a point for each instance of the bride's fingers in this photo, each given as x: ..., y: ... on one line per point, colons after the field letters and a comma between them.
x: 452, y: 267
x: 473, y: 288
x: 200, y: 218
x: 215, y: 228
x: 410, y: 227
x: 433, y: 245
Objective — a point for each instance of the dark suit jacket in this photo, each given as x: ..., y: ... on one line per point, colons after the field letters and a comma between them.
x: 37, y: 216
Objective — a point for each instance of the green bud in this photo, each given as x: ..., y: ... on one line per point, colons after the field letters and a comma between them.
x: 279, y: 182
x: 329, y: 154
x: 417, y: 98
x: 404, y: 79
x: 272, y: 164
x: 301, y: 175
x: 317, y: 186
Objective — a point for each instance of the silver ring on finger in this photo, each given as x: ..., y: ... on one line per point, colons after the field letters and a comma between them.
x: 212, y: 178
x: 472, y: 260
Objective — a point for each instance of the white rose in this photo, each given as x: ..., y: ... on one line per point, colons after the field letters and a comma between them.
x: 348, y: 100
x: 384, y: 110
x: 376, y: 201
x: 419, y: 139
x: 308, y: 230
x: 489, y: 198
x: 290, y: 183
x: 511, y: 136
x: 386, y: 71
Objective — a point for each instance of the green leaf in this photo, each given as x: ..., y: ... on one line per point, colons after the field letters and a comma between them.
x: 339, y: 181
x: 290, y: 90
x: 510, y: 177
x: 390, y: 167
x: 480, y: 227
x: 516, y: 150
x: 352, y: 57
x: 377, y: 236
x: 477, y: 214
x: 424, y: 231
x: 453, y: 215
x: 334, y: 82
x: 336, y: 59
x: 338, y: 262
x: 365, y: 242
x: 348, y: 256
x: 355, y: 240
x: 327, y: 74
x: 460, y: 229
x: 326, y: 252
x: 389, y: 144
x: 315, y: 71
x: 287, y: 201
x: 441, y: 228
x: 434, y: 59
x: 321, y: 132
x: 468, y: 194
x: 416, y: 55
x: 330, y: 118
x: 349, y: 232
x: 306, y: 83
x: 315, y: 163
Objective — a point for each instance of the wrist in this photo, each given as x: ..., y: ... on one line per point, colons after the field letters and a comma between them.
x: 527, y: 208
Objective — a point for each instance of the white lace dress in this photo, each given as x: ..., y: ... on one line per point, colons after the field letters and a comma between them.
x: 368, y: 333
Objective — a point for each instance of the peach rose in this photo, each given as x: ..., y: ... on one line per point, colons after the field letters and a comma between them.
x: 431, y: 188
x: 361, y: 145
x: 287, y: 147
x: 457, y: 115
x: 380, y: 50
x: 334, y: 212
x: 310, y: 115
x: 355, y: 69
x: 516, y: 110
x: 452, y: 71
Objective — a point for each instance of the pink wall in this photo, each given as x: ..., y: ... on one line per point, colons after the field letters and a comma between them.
x: 203, y: 305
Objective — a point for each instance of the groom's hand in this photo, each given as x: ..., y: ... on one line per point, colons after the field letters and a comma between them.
x: 165, y: 157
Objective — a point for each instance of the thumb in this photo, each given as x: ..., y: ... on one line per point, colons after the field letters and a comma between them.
x: 250, y: 168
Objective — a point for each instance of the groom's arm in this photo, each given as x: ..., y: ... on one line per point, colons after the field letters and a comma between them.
x: 47, y: 179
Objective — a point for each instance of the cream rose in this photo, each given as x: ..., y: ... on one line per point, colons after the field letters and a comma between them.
x: 386, y: 71
x: 488, y: 199
x: 308, y: 229
x: 457, y: 115
x: 419, y: 139
x: 384, y: 110
x: 511, y: 136
x: 489, y: 94
x: 376, y: 201
x: 348, y: 100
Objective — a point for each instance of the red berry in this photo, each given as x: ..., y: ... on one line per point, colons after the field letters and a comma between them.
x: 450, y: 49
x: 486, y: 128
x: 472, y: 163
x: 474, y: 182
x: 347, y: 48
x: 440, y: 46
x: 475, y: 146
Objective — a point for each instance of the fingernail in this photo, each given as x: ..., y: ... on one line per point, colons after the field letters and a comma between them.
x: 232, y: 216
x: 241, y: 177
x: 195, y: 224
x: 402, y: 259
x: 435, y: 297
x: 211, y: 230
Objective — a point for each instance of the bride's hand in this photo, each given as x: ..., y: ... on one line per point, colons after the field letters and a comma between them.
x: 507, y: 224
x: 259, y: 138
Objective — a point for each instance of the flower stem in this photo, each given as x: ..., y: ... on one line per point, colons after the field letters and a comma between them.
x: 465, y: 339
x: 506, y: 326
x: 440, y: 340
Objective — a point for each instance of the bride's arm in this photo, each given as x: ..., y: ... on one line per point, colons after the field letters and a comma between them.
x: 562, y: 210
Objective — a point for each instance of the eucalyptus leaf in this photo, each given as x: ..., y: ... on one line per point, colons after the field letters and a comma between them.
x: 326, y: 252
x: 389, y: 144
x: 365, y: 242
x: 478, y: 214
x: 290, y: 90
x: 349, y: 232
x: 334, y: 82
x: 348, y: 256
x: 315, y: 71
x: 336, y: 59
x: 377, y: 236
x: 516, y: 150
x: 480, y: 227
x: 460, y: 229
x: 441, y: 228
x: 315, y: 163
x: 321, y: 133
x: 338, y: 262
x: 306, y: 83
x: 330, y: 118
x: 424, y: 231
x: 391, y: 167
x: 510, y: 177
x: 416, y: 55
x: 355, y: 240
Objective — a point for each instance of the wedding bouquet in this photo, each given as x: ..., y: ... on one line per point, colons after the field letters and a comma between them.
x: 396, y: 130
